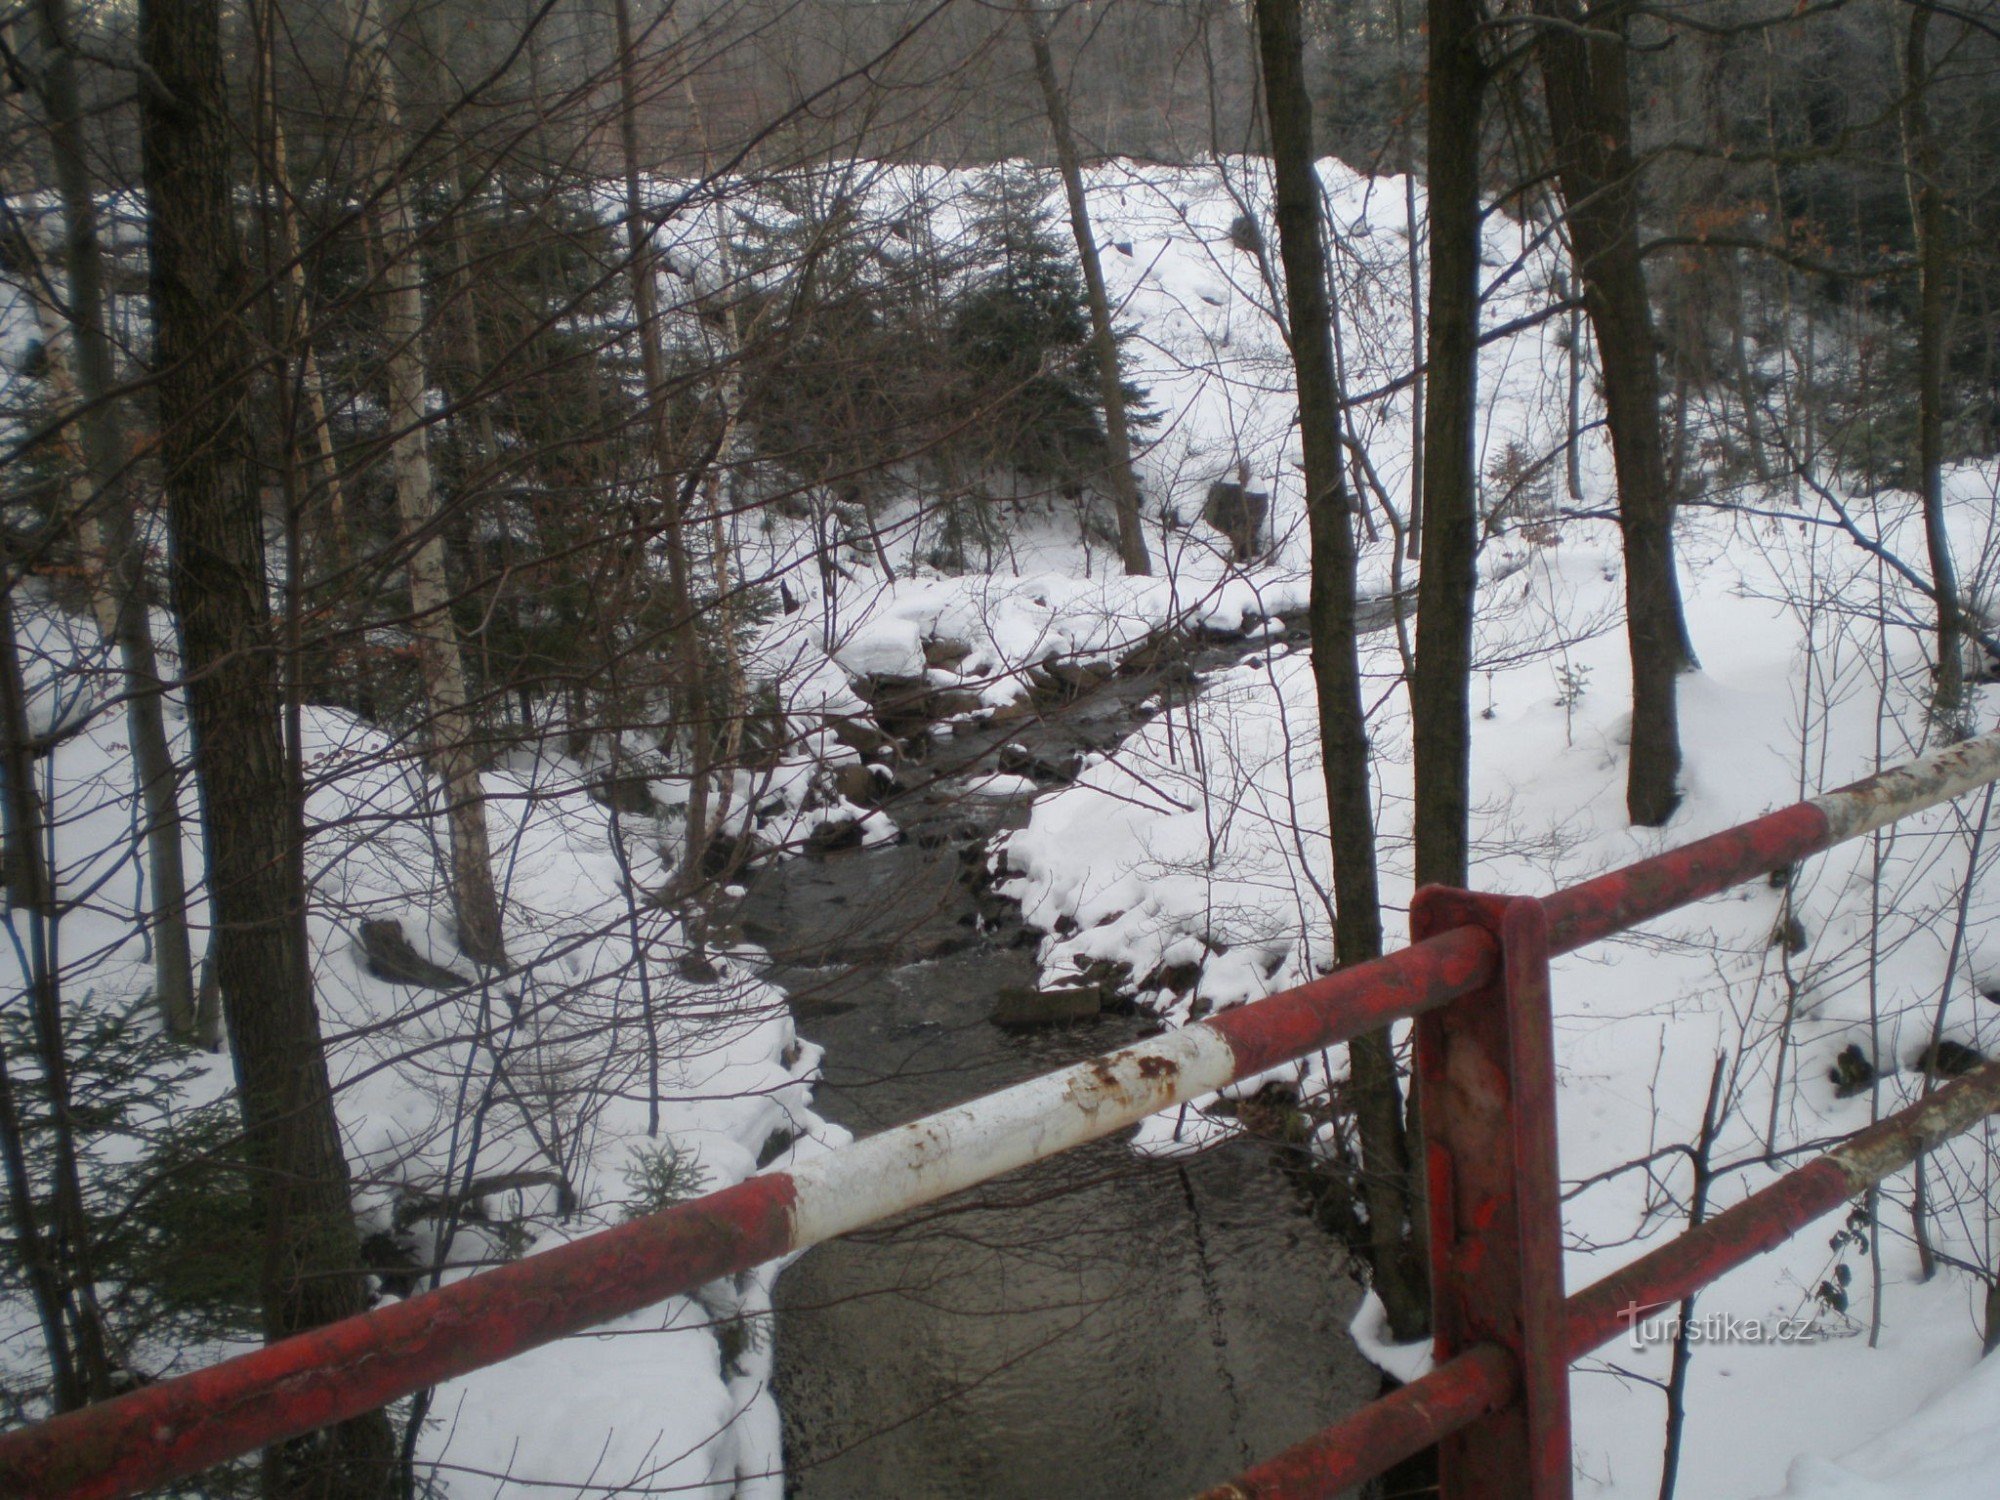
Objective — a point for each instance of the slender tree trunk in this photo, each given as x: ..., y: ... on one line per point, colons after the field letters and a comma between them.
x: 1590, y: 117
x: 1103, y: 336
x: 1440, y: 712
x: 1336, y: 669
x: 311, y: 385
x: 309, y: 1264
x: 1413, y: 261
x: 439, y: 660
x: 675, y: 495
x: 125, y: 569
x: 33, y: 894
x: 1921, y: 168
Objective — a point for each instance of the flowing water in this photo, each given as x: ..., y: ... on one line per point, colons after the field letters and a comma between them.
x: 1097, y: 1325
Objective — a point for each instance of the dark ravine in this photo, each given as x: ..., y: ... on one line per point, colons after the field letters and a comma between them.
x: 1099, y: 1325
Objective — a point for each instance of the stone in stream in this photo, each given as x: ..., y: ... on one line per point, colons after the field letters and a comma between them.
x: 1021, y: 1006
x: 1019, y: 761
x: 945, y: 654
x: 834, y: 835
x: 946, y: 703
x: 1099, y: 987
x: 900, y: 705
x: 864, y: 786
x: 1058, y: 681
x: 858, y: 735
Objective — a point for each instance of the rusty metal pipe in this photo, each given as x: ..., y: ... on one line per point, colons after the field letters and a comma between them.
x: 1385, y: 1432
x: 1772, y: 1215
x: 1596, y: 909
x: 1456, y: 1394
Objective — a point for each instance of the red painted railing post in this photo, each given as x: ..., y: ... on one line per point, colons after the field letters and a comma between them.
x: 1486, y: 1081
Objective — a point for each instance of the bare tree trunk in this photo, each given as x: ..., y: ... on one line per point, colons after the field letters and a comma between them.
x: 675, y: 495
x: 1103, y: 337
x: 1440, y: 713
x: 68, y: 1247
x: 1590, y: 117
x: 311, y: 384
x: 125, y: 563
x: 309, y: 1264
x: 1921, y: 168
x: 1413, y: 260
x: 1336, y: 670
x: 439, y: 661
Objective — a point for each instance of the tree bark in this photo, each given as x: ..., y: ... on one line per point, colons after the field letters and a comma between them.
x: 1440, y: 690
x: 1921, y: 169
x: 124, y: 572
x: 1590, y: 118
x: 1103, y: 336
x: 691, y: 698
x: 439, y: 661
x: 1336, y: 669
x: 309, y: 1253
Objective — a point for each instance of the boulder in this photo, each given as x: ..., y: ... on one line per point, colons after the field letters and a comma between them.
x: 1238, y: 512
x: 947, y: 703
x: 901, y: 705
x: 389, y: 955
x: 1021, y: 1006
x: 863, y: 738
x: 945, y: 655
x: 834, y: 835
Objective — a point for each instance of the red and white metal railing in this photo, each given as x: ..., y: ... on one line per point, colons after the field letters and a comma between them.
x: 1477, y: 975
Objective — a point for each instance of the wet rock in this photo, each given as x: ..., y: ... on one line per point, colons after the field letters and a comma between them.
x: 1159, y: 648
x: 389, y: 955
x: 1021, y: 1006
x: 858, y: 735
x: 859, y: 785
x: 1076, y: 678
x: 935, y: 945
x: 946, y: 703
x: 726, y: 853
x: 834, y: 835
x: 901, y: 705
x: 945, y: 654
x: 1018, y: 761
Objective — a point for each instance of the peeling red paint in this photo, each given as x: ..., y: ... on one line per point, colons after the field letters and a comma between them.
x: 1383, y: 1433
x: 1595, y: 910
x: 1353, y: 1002
x: 179, y: 1427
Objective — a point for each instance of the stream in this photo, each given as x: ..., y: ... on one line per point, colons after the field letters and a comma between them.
x: 1096, y: 1325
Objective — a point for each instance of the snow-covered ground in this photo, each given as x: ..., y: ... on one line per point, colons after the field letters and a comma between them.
x: 1196, y: 854
x: 551, y: 1074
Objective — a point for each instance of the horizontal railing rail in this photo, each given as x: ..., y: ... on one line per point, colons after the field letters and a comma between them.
x: 178, y: 1427
x: 1485, y: 1378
